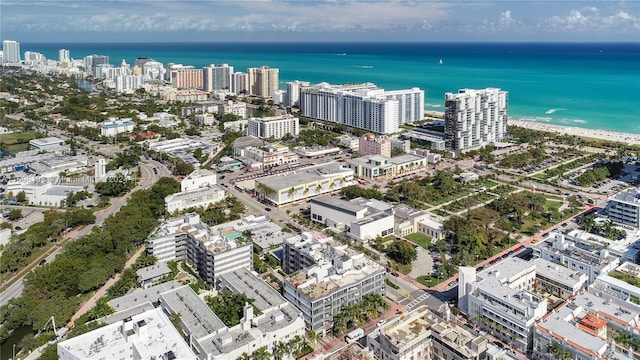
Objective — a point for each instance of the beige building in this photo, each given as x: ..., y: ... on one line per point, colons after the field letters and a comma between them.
x: 187, y: 79
x: 381, y: 167
x: 263, y: 81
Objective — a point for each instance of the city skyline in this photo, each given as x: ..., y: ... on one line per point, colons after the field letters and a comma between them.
x: 319, y: 21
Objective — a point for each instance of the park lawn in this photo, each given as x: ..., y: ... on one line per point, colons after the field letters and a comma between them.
x: 19, y: 137
x: 551, y: 205
x: 489, y: 183
x: 420, y: 239
x: 428, y: 281
x: 540, y: 175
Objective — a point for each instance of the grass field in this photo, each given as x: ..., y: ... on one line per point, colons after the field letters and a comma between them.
x: 15, y: 138
x: 420, y: 239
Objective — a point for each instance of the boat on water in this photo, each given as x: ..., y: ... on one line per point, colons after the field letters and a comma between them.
x: 441, y: 62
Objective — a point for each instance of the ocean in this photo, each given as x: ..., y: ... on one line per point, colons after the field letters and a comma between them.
x: 586, y: 85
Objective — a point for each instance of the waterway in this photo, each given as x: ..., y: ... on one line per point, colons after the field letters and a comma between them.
x: 6, y: 348
x: 87, y: 85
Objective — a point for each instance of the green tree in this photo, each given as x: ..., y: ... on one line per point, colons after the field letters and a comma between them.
x: 21, y: 197
x: 402, y: 251
x: 14, y: 214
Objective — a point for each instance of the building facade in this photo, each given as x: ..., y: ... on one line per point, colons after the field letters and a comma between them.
x: 369, y: 144
x: 293, y: 92
x: 327, y: 276
x: 10, y: 52
x: 273, y: 127
x: 263, y: 81
x: 114, y: 127
x: 217, y: 77
x: 475, y: 118
x: 624, y: 208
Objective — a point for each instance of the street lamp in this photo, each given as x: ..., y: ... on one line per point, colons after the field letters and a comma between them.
x: 14, y: 352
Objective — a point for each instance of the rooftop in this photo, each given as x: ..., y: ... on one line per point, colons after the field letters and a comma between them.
x: 46, y: 141
x: 558, y: 272
x: 631, y: 196
x: 197, y: 317
x: 304, y: 176
x: 153, y: 271
x: 241, y: 281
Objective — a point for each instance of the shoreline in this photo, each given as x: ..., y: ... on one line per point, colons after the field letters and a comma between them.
x: 615, y: 136
x: 628, y: 138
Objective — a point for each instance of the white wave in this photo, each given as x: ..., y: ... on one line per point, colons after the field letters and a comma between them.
x: 364, y: 66
x: 434, y: 105
x: 551, y: 111
x: 341, y: 54
x: 580, y: 121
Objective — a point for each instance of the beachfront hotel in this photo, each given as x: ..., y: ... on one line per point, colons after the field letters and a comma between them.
x: 474, y: 118
x: 263, y: 81
x: 364, y: 106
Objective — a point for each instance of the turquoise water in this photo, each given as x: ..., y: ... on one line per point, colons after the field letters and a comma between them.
x: 594, y: 86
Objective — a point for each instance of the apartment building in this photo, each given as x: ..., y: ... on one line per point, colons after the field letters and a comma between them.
x: 217, y: 77
x: 617, y: 289
x: 263, y: 81
x: 577, y: 254
x: 369, y: 144
x: 363, y: 219
x: 293, y: 92
x: 114, y: 127
x: 624, y: 208
x: 273, y: 127
x: 558, y: 280
x: 500, y: 300
x: 326, y: 275
x: 475, y: 118
x: 198, y: 198
x: 211, y: 251
x: 186, y: 78
x: 582, y: 328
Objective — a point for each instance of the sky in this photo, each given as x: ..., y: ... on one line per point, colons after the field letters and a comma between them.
x: 318, y: 20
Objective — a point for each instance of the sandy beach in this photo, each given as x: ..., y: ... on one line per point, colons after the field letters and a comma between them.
x: 633, y: 139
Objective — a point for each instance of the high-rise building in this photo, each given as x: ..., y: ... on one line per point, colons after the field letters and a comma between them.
x: 34, y: 58
x: 364, y: 106
x: 217, y: 77
x: 263, y: 81
x: 100, y: 169
x: 93, y: 62
x: 11, y: 51
x: 293, y: 92
x: 475, y: 118
x: 240, y: 83
x: 410, y: 104
x: 63, y: 55
x: 187, y: 78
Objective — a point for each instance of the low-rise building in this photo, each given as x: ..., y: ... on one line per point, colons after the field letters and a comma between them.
x: 303, y: 184
x: 408, y: 220
x: 114, y: 127
x: 327, y: 275
x: 198, y: 198
x: 616, y: 288
x: 198, y: 179
x: 46, y: 143
x: 149, y: 335
x: 148, y: 275
x: 380, y: 167
x: 582, y: 328
x: 558, y: 280
x: 576, y: 253
x: 273, y: 127
x: 270, y: 155
x: 363, y: 219
x: 316, y: 151
x: 624, y: 208
x: 42, y: 193
x: 406, y: 338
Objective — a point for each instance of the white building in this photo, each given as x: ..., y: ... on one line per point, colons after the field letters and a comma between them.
x: 212, y: 251
x: 362, y: 219
x: 363, y: 106
x: 576, y: 254
x: 217, y: 77
x: 624, y: 208
x: 46, y: 143
x: 409, y: 220
x: 617, y: 289
x: 148, y: 275
x: 475, y: 118
x: 100, y: 169
x: 406, y: 339
x: 10, y: 52
x: 500, y: 300
x: 114, y: 127
x: 558, y: 280
x: 42, y: 193
x: 63, y: 55
x: 381, y: 167
x: 293, y: 92
x: 327, y: 275
x: 211, y: 339
x: 269, y: 156
x: 198, y: 179
x: 304, y: 183
x: 149, y: 335
x: 273, y: 127
x: 199, y: 198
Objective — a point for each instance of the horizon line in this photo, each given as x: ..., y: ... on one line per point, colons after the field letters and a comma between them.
x: 337, y: 42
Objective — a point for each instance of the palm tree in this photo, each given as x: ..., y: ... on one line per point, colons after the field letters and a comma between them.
x: 312, y: 336
x: 244, y: 356
x: 262, y: 354
x: 280, y: 349
x: 292, y: 193
x: 296, y: 344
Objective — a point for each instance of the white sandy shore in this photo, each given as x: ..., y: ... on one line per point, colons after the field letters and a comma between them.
x: 633, y: 139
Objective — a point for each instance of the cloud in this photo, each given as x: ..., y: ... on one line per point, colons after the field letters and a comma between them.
x: 592, y: 19
x: 505, y: 19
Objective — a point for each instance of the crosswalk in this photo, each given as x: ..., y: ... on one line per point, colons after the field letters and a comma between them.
x: 415, y: 302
